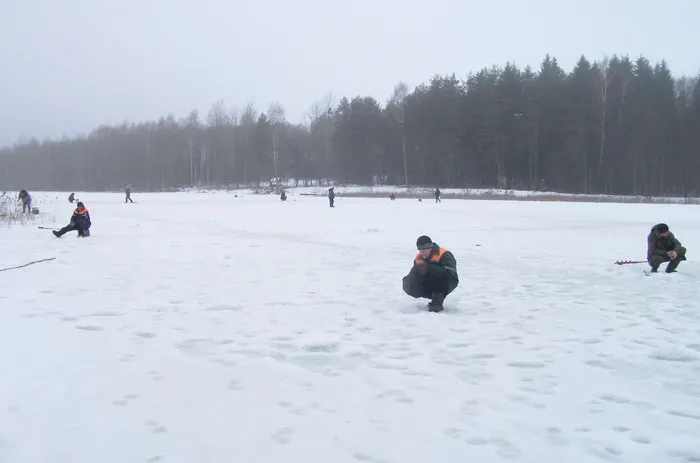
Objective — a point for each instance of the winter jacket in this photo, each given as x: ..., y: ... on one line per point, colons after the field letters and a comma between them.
x: 26, y: 198
x: 438, y: 256
x: 81, y: 219
x: 660, y: 245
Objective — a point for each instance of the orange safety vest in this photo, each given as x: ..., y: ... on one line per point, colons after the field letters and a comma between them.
x: 84, y: 212
x: 435, y: 257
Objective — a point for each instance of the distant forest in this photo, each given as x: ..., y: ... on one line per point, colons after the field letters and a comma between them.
x: 616, y: 126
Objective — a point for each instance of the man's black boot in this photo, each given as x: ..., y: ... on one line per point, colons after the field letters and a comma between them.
x: 435, y: 305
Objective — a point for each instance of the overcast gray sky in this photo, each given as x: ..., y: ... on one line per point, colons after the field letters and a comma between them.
x: 67, y: 66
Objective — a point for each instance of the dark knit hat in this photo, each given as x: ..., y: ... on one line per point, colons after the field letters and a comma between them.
x: 661, y: 228
x: 80, y: 204
x: 424, y: 242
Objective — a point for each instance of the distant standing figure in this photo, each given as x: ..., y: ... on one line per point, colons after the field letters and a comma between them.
x: 437, y: 195
x: 392, y: 197
x: 662, y: 247
x: 71, y: 198
x: 283, y: 196
x: 127, y: 190
x: 80, y: 221
x: 26, y: 202
x: 331, y: 196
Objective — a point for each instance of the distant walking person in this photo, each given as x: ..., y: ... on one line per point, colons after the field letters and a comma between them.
x: 71, y: 198
x: 437, y: 195
x: 26, y: 202
x: 80, y: 221
x: 662, y: 247
x: 283, y: 196
x: 127, y: 190
x: 331, y: 196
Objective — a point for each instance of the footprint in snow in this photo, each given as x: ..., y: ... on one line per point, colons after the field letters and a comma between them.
x: 155, y: 427
x: 125, y: 400
x: 89, y: 327
x: 283, y: 435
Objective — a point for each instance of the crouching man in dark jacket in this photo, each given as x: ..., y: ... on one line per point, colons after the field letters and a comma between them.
x: 433, y: 275
x: 662, y: 247
x: 80, y: 221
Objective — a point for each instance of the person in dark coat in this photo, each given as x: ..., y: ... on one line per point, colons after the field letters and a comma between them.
x: 26, y: 201
x: 438, y: 195
x: 80, y: 221
x: 662, y: 247
x: 283, y: 196
x: 331, y: 196
x: 127, y: 192
x: 71, y: 198
x: 433, y: 275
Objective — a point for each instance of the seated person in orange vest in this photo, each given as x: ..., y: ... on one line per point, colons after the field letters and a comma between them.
x: 79, y: 221
x: 434, y: 274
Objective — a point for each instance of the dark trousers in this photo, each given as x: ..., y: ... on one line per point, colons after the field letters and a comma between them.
x: 656, y: 261
x: 68, y: 228
x: 423, y: 282
x: 331, y: 201
x: 128, y: 198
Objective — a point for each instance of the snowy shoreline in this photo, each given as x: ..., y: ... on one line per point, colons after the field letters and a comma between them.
x: 360, y: 191
x: 402, y: 192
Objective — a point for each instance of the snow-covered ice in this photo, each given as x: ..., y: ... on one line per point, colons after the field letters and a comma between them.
x: 214, y: 328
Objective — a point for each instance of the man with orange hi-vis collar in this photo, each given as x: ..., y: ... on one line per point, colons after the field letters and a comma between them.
x: 433, y: 275
x: 80, y: 221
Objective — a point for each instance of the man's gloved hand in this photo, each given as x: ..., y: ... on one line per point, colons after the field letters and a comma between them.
x: 422, y: 269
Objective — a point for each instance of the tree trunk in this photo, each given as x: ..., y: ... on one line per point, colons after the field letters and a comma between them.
x: 405, y: 158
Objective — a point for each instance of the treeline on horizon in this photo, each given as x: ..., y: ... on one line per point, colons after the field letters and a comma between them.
x: 615, y: 126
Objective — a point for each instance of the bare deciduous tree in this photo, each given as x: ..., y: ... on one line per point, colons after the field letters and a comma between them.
x: 249, y: 117
x: 398, y: 102
x: 275, y: 114
x: 606, y: 77
x: 218, y: 115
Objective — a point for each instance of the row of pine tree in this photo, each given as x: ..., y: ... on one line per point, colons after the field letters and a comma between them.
x: 616, y: 126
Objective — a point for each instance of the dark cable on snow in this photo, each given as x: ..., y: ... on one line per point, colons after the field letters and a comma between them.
x: 26, y: 265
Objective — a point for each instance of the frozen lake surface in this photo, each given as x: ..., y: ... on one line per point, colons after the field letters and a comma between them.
x: 197, y: 327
